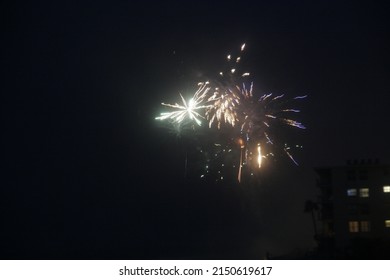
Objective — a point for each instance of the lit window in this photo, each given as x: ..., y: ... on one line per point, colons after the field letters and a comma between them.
x: 354, y: 226
x: 364, y: 192
x: 387, y: 223
x: 351, y: 192
x: 365, y: 226
x: 386, y: 189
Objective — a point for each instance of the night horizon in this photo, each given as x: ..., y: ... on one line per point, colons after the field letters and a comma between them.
x: 89, y: 173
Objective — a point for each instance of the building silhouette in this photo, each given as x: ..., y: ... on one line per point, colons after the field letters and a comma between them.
x: 354, y: 210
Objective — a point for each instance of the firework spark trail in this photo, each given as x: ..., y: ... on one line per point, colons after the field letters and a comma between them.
x: 242, y: 146
x: 300, y: 97
x: 291, y: 157
x: 224, y: 108
x: 268, y: 139
x: 293, y: 123
x: 225, y: 101
x: 259, y: 155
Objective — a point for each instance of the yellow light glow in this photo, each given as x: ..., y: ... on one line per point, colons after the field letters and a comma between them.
x: 241, y: 143
x: 259, y: 156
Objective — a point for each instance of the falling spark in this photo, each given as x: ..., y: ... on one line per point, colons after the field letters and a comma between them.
x: 259, y: 156
x: 291, y: 157
x: 240, y: 167
x: 241, y: 143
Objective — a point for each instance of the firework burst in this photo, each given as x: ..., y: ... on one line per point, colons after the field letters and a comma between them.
x: 223, y: 108
x: 233, y: 104
x: 188, y: 110
x: 258, y: 118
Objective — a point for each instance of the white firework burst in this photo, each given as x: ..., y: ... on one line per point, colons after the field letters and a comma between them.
x: 188, y: 110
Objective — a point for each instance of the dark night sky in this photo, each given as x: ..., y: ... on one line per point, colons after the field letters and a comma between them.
x: 87, y: 173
